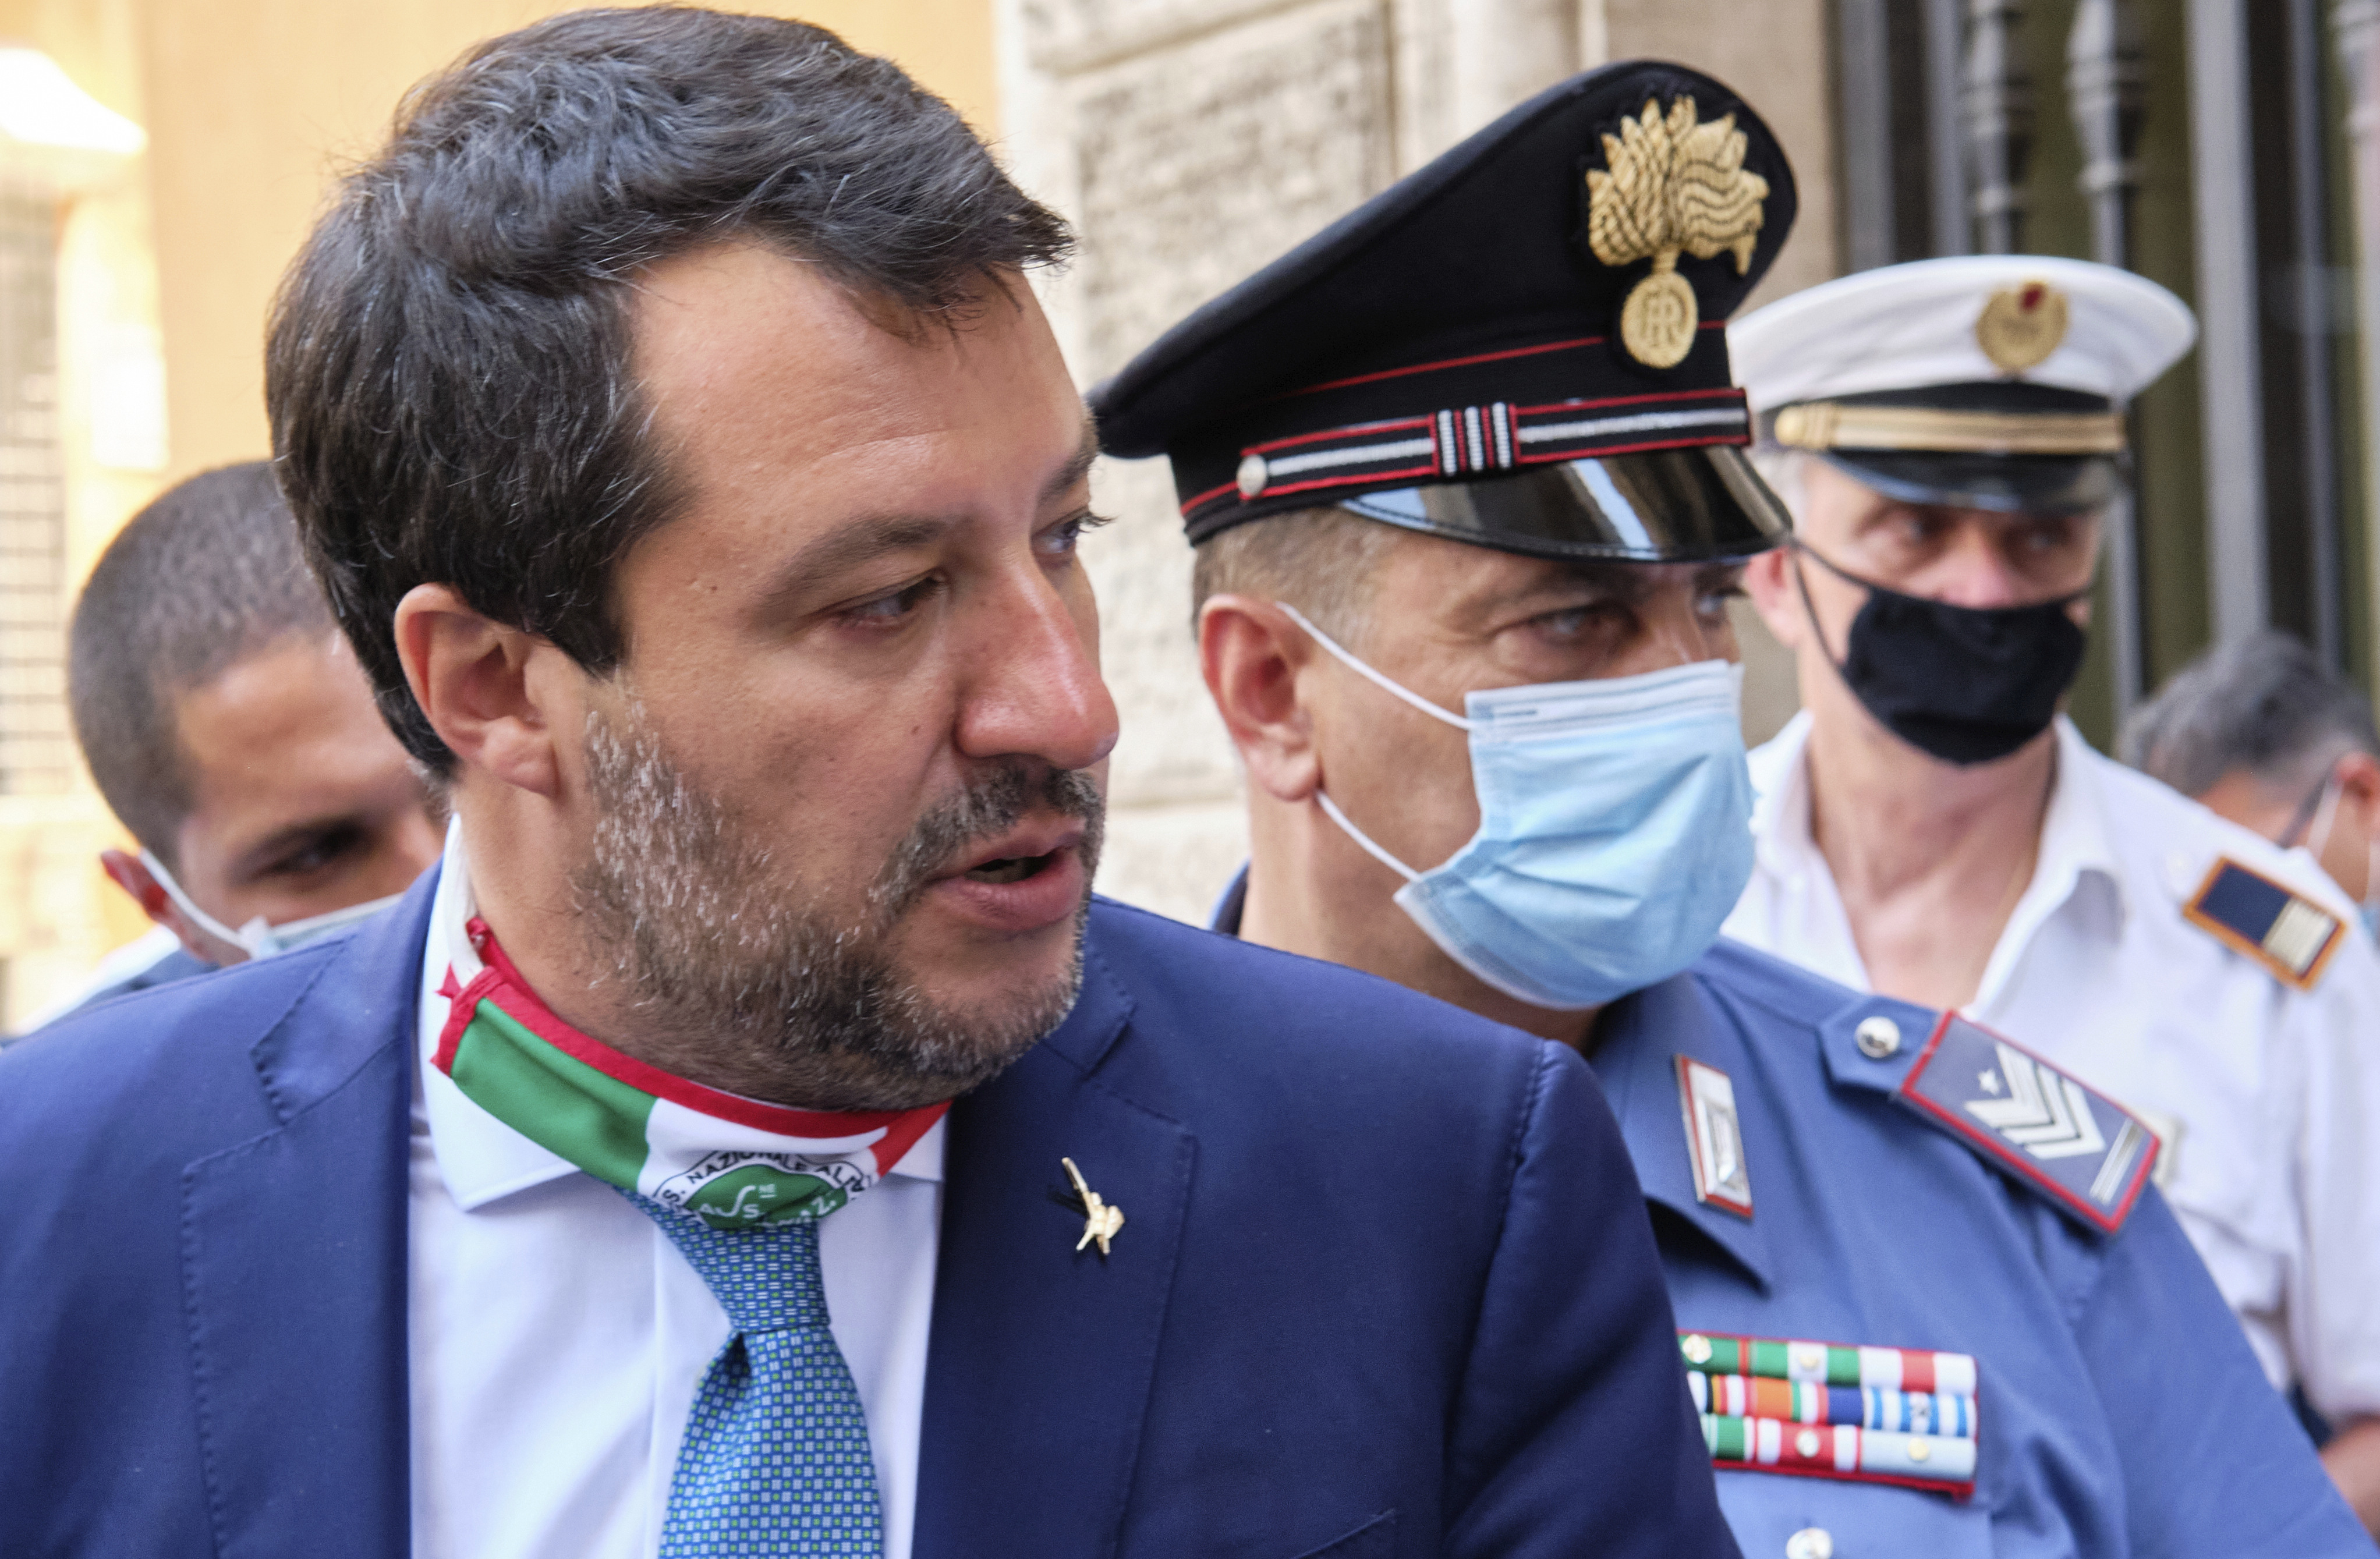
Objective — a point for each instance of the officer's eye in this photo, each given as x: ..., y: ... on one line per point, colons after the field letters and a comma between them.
x: 1571, y: 623
x: 314, y: 852
x: 1712, y: 599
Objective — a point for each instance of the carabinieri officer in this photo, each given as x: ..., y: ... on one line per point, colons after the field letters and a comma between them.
x: 1466, y: 476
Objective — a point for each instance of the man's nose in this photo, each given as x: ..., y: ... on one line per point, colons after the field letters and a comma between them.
x: 1676, y: 631
x: 1032, y: 687
x: 1977, y: 572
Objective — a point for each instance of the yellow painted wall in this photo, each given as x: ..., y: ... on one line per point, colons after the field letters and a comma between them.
x: 250, y: 105
x: 253, y: 103
x: 57, y: 911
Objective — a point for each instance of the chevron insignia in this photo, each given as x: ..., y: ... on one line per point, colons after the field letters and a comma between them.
x: 2247, y: 910
x: 2080, y: 1148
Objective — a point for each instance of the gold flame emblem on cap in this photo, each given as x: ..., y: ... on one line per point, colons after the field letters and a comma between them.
x: 2021, y: 325
x: 1675, y: 186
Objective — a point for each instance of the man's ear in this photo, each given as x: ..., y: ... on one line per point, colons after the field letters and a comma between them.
x: 2357, y: 774
x: 1768, y: 580
x: 487, y: 689
x: 127, y: 872
x: 140, y: 884
x: 1251, y: 654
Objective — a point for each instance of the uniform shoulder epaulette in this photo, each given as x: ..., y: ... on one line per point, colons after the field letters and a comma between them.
x: 2280, y: 928
x: 2080, y: 1148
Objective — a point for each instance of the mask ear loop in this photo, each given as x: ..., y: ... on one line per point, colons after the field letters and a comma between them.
x: 243, y: 939
x: 2318, y: 836
x: 2326, y: 813
x: 1376, y: 679
x: 1321, y: 796
x: 1347, y: 826
x: 1809, y: 609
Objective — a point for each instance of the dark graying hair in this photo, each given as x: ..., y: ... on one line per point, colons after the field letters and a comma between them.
x: 1319, y: 560
x: 2267, y: 704
x: 447, y: 368
x: 208, y: 574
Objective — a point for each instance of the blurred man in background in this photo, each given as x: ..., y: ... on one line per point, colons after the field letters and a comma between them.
x: 226, y: 722
x: 2265, y: 733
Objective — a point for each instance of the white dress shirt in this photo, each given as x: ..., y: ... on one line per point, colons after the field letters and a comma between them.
x: 2269, y: 1096
x: 557, y: 1337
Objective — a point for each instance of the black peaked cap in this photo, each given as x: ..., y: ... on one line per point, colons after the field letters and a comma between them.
x: 1459, y: 328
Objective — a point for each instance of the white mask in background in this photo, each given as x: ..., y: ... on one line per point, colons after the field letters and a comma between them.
x: 257, y: 938
x: 2318, y: 835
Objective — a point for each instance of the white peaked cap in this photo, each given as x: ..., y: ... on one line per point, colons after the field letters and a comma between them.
x: 1905, y: 327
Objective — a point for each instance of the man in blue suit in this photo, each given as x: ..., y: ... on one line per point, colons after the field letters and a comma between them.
x: 753, y: 1138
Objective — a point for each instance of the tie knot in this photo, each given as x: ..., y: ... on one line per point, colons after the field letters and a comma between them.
x: 764, y: 1276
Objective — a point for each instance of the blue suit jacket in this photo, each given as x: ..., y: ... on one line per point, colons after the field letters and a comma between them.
x: 1388, y: 1285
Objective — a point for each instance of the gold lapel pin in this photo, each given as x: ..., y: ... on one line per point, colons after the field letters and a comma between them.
x: 1101, y: 1220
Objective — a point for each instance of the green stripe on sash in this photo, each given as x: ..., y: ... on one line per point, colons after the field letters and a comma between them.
x: 555, y: 1099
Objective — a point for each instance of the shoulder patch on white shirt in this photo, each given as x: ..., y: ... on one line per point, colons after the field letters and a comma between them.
x: 2072, y: 1143
x: 2279, y: 927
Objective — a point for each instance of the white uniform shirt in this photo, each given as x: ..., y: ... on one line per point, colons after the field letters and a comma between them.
x: 557, y: 1337
x: 2269, y: 1095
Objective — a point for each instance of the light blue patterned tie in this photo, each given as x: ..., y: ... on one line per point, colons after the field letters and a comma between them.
x: 776, y: 1461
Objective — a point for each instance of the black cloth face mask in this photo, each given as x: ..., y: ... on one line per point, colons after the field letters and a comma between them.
x: 1966, y: 684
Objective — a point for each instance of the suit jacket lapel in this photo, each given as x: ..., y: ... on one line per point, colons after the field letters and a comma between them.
x: 294, y: 1267
x: 1038, y: 1372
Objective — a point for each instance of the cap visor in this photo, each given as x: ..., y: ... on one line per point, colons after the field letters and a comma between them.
x: 1679, y: 505
x: 2008, y: 484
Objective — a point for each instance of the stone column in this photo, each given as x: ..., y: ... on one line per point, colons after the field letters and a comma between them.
x: 1190, y: 141
x: 2355, y: 27
x: 2107, y: 89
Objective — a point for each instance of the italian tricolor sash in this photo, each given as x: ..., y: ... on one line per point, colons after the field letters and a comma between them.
x: 731, y: 1161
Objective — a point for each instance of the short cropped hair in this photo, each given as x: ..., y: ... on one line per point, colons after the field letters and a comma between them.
x: 2267, y: 704
x: 448, y: 367
x: 202, y: 578
x: 1319, y: 560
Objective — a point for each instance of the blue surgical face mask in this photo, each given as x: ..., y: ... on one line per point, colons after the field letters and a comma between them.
x: 1615, y: 830
x: 257, y: 938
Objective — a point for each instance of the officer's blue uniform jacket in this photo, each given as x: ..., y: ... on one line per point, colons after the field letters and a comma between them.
x: 2121, y: 1413
x: 1387, y: 1286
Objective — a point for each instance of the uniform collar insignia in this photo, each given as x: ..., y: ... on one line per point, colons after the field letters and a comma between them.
x: 2075, y: 1146
x: 1713, y: 1137
x: 1644, y: 1037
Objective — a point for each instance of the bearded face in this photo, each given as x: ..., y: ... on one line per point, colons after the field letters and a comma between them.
x: 736, y: 969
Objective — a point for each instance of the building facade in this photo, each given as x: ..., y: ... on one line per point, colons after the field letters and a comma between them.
x: 2229, y: 150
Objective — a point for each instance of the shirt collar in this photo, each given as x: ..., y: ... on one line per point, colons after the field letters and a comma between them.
x: 2075, y: 845
x: 1780, y: 805
x: 479, y: 1158
x: 2076, y: 856
x: 1226, y: 916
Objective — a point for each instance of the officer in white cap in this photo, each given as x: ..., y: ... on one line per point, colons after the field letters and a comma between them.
x: 1949, y: 434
